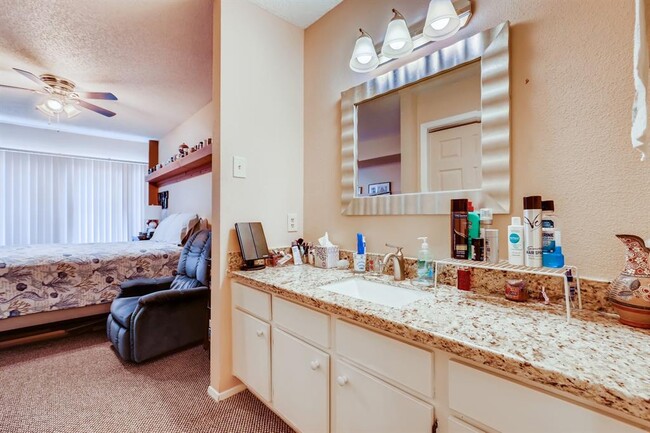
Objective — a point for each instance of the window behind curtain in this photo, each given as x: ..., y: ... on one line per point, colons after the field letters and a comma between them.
x: 60, y: 199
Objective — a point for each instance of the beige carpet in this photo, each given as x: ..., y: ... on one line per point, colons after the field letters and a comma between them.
x: 78, y: 385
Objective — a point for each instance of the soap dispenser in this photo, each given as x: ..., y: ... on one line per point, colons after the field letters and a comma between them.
x: 425, y: 263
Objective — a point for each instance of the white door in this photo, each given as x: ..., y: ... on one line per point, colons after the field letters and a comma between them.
x: 251, y: 352
x: 300, y: 379
x: 362, y: 403
x: 454, y: 158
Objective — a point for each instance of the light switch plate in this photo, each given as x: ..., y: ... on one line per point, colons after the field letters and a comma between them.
x: 292, y: 222
x: 238, y: 166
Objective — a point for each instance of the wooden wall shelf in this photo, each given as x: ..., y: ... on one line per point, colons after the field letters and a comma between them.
x: 192, y: 165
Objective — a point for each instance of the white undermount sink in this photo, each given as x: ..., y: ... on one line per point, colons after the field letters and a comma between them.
x: 378, y: 293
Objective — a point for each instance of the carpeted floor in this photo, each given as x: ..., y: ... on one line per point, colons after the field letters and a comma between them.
x: 78, y: 385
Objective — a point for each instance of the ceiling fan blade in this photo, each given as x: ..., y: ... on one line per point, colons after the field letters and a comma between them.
x: 95, y: 108
x: 19, y: 88
x: 29, y: 75
x: 98, y: 95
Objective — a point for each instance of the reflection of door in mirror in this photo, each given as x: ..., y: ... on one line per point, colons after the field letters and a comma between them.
x: 454, y: 159
x: 424, y: 137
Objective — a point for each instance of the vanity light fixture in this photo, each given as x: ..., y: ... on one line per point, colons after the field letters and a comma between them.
x: 442, y: 20
x: 398, y: 41
x: 364, y: 57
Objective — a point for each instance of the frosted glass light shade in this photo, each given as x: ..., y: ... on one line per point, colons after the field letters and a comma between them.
x: 397, y: 42
x: 442, y: 20
x: 364, y: 57
x: 71, y: 111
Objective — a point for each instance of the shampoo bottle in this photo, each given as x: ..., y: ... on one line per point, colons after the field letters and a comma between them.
x: 516, y: 242
x: 533, y: 231
x: 425, y: 263
x: 459, y: 247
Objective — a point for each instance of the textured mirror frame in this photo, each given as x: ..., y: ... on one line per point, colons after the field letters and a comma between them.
x: 492, y: 48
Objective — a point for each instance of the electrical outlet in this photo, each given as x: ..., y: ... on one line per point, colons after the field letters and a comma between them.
x: 292, y: 222
x: 238, y: 166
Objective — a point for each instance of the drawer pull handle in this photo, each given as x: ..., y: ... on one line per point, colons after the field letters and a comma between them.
x: 260, y: 333
x: 342, y: 380
x: 315, y: 365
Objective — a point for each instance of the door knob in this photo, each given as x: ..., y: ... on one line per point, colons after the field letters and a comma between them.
x: 342, y: 380
x: 260, y: 333
x: 314, y: 365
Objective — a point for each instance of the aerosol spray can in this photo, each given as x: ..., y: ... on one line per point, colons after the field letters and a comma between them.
x: 533, y: 231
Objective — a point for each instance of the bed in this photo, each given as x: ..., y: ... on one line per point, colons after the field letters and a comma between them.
x: 37, y: 279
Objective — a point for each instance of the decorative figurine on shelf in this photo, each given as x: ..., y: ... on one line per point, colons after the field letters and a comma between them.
x: 183, y: 150
x: 630, y: 292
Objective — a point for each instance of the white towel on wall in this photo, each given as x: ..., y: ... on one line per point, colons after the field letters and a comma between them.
x: 640, y: 131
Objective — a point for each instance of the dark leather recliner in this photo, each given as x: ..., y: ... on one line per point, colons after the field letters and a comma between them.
x: 151, y: 317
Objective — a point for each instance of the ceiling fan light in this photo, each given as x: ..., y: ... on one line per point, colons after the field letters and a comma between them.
x: 54, y: 105
x: 45, y: 110
x: 364, y: 57
x: 442, y: 20
x: 398, y: 41
x: 71, y: 111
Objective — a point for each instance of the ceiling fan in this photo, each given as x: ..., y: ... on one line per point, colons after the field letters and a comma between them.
x: 62, y: 97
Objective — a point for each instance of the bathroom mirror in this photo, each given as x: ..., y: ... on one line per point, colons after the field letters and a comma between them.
x: 435, y: 129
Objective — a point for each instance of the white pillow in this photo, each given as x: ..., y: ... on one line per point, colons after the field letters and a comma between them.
x: 174, y: 228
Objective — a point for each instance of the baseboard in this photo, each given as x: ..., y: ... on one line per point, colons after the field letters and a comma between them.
x: 220, y: 396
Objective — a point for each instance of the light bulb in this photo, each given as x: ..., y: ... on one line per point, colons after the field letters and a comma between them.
x: 364, y: 59
x: 440, y: 24
x: 54, y: 104
x: 397, y: 45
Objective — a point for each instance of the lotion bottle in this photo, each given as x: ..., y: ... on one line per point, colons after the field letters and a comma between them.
x: 516, y: 242
x: 425, y: 263
x: 533, y: 231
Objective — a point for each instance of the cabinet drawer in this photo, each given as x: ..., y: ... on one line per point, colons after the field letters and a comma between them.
x: 406, y: 364
x: 251, y: 300
x: 509, y: 407
x: 300, y: 383
x: 457, y: 426
x: 251, y: 352
x: 364, y: 404
x: 302, y: 321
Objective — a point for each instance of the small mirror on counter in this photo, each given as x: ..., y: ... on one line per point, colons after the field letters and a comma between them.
x: 252, y: 244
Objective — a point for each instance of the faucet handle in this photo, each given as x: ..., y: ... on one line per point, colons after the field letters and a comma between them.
x: 399, y: 249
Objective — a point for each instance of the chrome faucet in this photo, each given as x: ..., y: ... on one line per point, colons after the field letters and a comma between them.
x: 398, y: 262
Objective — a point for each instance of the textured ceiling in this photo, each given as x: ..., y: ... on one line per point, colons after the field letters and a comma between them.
x: 301, y: 13
x: 154, y: 55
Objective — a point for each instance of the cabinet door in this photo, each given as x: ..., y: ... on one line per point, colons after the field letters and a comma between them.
x: 300, y: 383
x: 362, y: 403
x: 251, y: 352
x: 457, y: 426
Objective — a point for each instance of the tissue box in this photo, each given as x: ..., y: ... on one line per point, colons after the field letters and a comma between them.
x: 326, y: 257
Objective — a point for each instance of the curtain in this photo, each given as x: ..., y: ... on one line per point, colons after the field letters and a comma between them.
x: 58, y: 199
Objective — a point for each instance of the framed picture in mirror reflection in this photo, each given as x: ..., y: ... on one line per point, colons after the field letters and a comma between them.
x: 382, y: 188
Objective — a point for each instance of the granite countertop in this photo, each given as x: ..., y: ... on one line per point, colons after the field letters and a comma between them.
x: 593, y: 357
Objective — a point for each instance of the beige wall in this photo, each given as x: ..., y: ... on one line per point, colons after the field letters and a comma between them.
x: 571, y: 86
x: 195, y: 194
x: 261, y: 118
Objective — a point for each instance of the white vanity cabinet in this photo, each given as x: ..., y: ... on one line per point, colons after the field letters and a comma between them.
x: 251, y: 352
x: 300, y: 377
x: 365, y: 404
x: 323, y: 374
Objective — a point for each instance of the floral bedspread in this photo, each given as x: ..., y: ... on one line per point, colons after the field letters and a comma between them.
x: 36, y: 278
